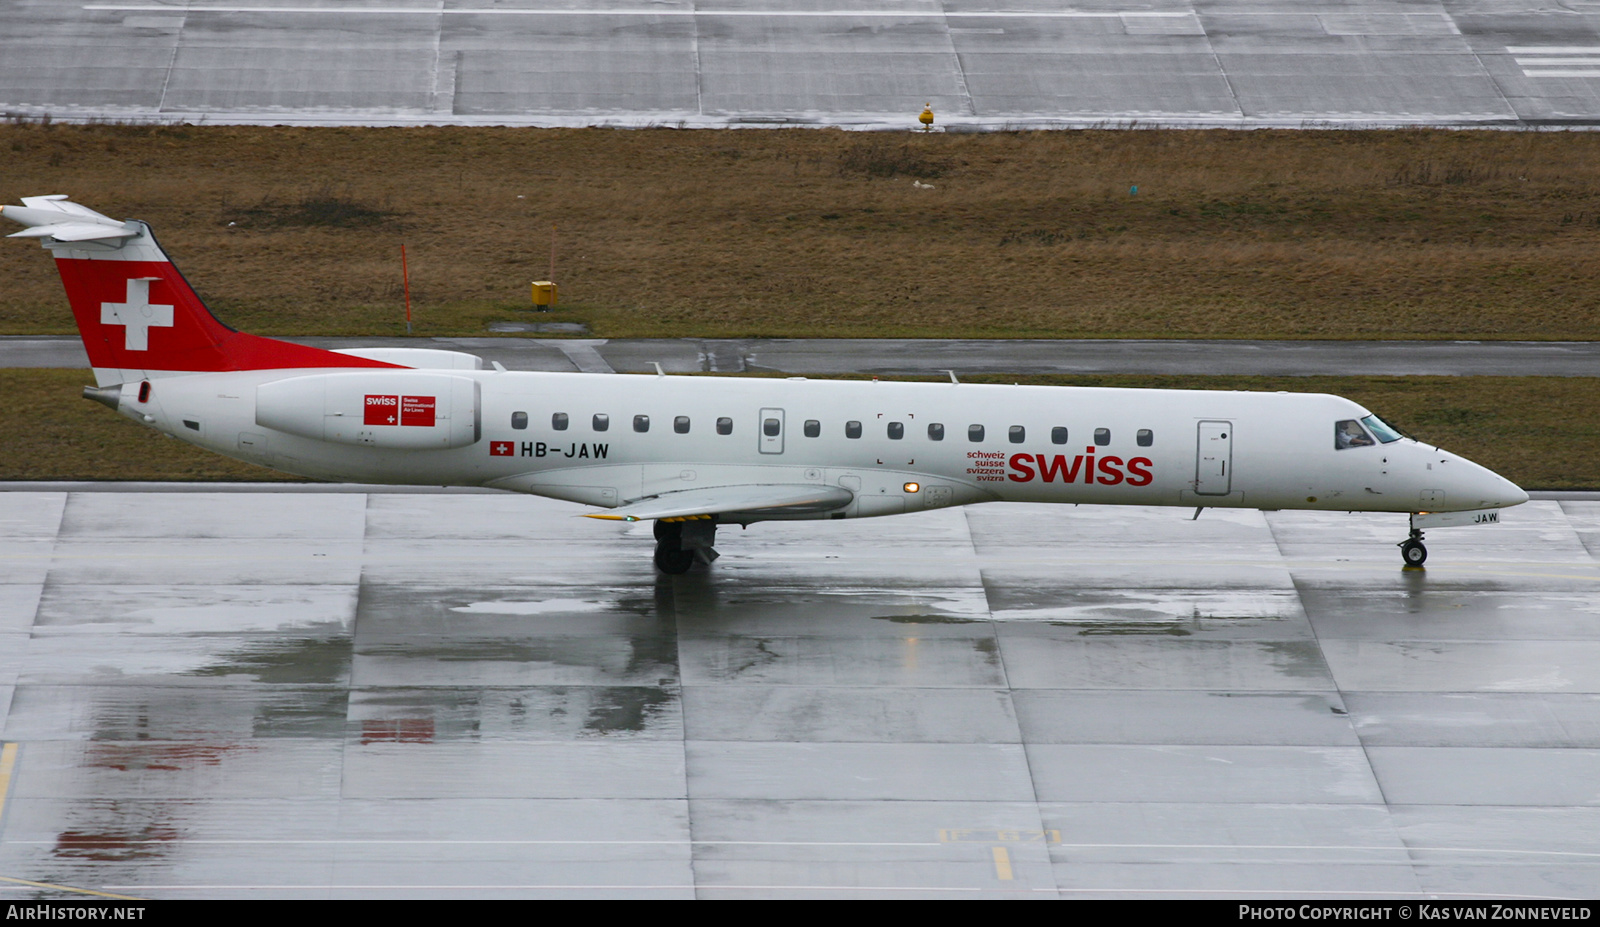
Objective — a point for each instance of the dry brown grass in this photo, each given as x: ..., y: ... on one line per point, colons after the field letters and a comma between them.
x: 1542, y: 432
x: 806, y: 232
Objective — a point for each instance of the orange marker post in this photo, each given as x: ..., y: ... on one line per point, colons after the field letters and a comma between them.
x: 405, y: 279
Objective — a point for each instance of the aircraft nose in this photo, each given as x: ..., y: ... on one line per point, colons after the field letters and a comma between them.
x: 1510, y: 494
x: 1483, y: 488
x: 1496, y: 492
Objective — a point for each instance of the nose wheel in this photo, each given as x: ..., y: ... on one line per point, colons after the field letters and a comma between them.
x: 1412, y: 550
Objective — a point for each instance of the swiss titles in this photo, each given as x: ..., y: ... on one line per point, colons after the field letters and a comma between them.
x: 1085, y: 468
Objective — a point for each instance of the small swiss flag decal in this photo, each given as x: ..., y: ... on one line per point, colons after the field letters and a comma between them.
x: 499, y: 448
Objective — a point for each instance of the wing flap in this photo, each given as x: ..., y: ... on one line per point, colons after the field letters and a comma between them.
x: 768, y: 499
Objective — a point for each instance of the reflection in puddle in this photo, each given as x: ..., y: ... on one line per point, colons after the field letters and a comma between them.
x: 166, y: 757
x: 1104, y: 607
x: 1169, y: 629
x: 398, y: 731
x: 626, y: 709
x: 116, y: 844
x: 546, y: 607
x: 294, y: 661
x: 434, y: 715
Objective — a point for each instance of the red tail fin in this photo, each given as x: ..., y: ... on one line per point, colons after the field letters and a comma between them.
x: 137, y: 314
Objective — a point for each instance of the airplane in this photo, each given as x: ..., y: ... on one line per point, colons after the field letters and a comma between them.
x: 695, y: 453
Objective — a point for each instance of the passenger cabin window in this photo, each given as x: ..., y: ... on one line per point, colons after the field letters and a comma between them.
x: 975, y: 433
x: 602, y: 421
x: 724, y: 426
x: 681, y: 424
x: 852, y: 429
x: 519, y: 420
x: 813, y: 428
x: 1102, y: 436
x: 1349, y: 433
x: 770, y: 427
x: 897, y: 430
x: 558, y: 421
x: 1145, y: 437
x: 641, y: 423
x: 1385, y: 433
x: 935, y: 431
x: 1058, y: 435
x: 1017, y: 434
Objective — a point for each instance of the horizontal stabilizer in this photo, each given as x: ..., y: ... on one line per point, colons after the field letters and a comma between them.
x: 75, y: 231
x: 770, y: 499
x: 57, y: 217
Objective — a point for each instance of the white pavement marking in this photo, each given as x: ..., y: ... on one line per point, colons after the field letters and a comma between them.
x: 1557, y: 60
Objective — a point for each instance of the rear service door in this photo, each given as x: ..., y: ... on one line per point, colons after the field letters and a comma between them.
x: 771, y: 431
x: 1213, y: 471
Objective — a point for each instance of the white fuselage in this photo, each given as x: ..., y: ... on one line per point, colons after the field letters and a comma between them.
x: 1153, y: 447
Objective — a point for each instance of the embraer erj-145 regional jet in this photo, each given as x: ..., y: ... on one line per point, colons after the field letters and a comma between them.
x: 693, y: 453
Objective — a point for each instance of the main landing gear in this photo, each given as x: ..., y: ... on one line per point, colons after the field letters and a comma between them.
x: 680, y: 543
x: 1412, y: 550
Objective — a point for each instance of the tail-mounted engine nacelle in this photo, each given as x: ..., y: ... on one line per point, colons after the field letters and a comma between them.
x: 404, y: 411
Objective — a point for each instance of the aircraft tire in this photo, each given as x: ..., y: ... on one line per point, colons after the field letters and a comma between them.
x: 668, y: 531
x: 1413, y: 553
x: 673, y: 560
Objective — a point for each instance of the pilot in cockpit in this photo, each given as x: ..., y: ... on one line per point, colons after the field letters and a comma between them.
x: 1349, y: 433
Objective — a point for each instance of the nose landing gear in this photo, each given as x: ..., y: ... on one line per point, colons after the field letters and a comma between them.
x: 680, y: 543
x: 1412, y: 550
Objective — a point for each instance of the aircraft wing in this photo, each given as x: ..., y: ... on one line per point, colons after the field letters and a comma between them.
x: 769, y: 499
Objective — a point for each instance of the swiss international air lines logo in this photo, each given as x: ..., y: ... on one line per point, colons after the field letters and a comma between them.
x: 137, y: 315
x: 1109, y: 470
x: 399, y: 410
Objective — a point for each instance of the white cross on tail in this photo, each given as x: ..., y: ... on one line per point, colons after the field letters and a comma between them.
x: 137, y: 314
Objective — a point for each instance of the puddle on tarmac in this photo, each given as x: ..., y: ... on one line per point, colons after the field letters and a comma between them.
x: 925, y: 619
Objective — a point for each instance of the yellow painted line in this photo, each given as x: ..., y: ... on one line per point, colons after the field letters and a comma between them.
x: 8, y: 761
x: 68, y: 888
x: 1002, y: 864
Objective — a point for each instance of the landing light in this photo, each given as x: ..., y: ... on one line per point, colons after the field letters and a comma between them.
x: 912, y: 487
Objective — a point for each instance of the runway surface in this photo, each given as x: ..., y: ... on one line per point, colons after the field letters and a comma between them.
x: 328, y: 692
x: 933, y: 357
x: 980, y: 63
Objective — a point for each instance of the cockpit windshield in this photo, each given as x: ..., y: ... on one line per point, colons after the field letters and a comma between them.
x: 1349, y: 433
x: 1385, y: 434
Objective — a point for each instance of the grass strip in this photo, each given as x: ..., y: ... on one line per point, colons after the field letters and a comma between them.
x: 803, y: 233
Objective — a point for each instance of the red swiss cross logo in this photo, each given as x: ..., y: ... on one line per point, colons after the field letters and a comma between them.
x: 499, y: 448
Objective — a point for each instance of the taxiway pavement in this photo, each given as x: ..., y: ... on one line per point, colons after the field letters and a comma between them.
x: 933, y: 357
x: 980, y: 64
x: 332, y: 692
